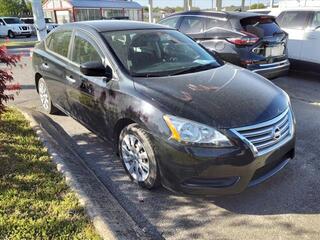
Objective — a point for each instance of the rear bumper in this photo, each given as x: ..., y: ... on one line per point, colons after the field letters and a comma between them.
x: 207, y: 171
x: 272, y: 70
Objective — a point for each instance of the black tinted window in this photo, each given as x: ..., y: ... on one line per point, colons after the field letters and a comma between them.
x: 294, y: 20
x: 170, y: 22
x: 84, y: 51
x: 59, y: 42
x: 316, y: 20
x: 217, y: 23
x: 263, y: 26
x: 193, y: 25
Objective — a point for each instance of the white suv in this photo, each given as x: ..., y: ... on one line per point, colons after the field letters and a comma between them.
x: 303, y: 27
x: 12, y: 27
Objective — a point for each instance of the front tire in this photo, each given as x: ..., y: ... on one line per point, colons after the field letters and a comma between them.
x: 45, y: 97
x: 138, y: 157
x: 11, y: 34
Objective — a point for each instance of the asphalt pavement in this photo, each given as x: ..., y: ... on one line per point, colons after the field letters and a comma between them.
x: 287, y: 206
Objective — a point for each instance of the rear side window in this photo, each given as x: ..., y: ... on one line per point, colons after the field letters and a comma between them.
x: 58, y: 42
x: 193, y: 25
x: 84, y: 51
x: 260, y: 26
x: 316, y: 20
x: 217, y: 23
x: 170, y: 22
x: 294, y: 20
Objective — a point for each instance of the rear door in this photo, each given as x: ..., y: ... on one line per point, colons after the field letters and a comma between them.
x: 294, y: 23
x: 311, y: 46
x: 272, y: 39
x: 54, y: 65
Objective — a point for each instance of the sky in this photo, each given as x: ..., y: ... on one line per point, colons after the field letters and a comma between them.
x: 203, y: 4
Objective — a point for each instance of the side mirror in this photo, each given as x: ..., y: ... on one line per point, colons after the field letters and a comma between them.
x: 96, y: 69
x: 317, y: 28
x: 1, y: 24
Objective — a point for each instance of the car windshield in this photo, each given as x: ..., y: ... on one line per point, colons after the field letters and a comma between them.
x: 156, y: 53
x: 12, y: 21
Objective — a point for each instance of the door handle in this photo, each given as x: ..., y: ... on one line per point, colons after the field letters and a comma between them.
x: 70, y: 79
x: 45, y: 65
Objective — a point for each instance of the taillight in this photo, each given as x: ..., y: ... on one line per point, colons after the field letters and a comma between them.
x: 246, y: 40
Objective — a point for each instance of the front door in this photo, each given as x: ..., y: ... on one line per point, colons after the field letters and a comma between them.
x: 86, y: 95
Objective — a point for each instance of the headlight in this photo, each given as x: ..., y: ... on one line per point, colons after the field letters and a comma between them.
x: 189, y: 132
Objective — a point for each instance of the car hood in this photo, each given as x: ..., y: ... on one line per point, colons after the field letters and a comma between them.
x: 19, y: 25
x: 224, y: 97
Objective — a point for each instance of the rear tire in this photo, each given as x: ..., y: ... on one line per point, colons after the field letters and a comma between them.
x: 45, y: 98
x: 137, y: 154
x: 11, y: 34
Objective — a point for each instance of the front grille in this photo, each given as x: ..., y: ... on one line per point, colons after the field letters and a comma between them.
x: 263, y: 138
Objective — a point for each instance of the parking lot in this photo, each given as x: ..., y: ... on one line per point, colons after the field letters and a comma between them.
x: 284, y: 207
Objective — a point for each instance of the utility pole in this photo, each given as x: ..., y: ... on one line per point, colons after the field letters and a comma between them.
x: 271, y: 3
x: 150, y: 11
x: 243, y: 5
x: 39, y: 21
x: 218, y: 5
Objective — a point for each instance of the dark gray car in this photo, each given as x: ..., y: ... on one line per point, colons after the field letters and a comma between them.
x: 249, y: 40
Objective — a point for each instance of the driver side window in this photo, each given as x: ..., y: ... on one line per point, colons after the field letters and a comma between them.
x: 84, y: 51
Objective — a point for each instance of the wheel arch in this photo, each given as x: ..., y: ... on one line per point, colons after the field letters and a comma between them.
x: 37, y: 78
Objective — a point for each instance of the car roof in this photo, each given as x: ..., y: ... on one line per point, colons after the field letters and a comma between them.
x: 221, y: 14
x: 116, y: 25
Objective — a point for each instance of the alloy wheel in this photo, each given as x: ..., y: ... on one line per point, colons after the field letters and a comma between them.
x: 135, y: 158
x: 44, y: 95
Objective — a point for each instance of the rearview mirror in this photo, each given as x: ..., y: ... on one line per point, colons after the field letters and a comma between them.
x: 96, y: 69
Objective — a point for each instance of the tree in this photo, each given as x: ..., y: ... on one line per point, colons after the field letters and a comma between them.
x: 6, y: 62
x: 257, y: 6
x: 15, y: 8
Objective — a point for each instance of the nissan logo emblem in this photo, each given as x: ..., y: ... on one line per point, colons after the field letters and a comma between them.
x: 276, y: 133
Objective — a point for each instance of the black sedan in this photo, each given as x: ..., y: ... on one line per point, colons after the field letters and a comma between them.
x: 177, y: 115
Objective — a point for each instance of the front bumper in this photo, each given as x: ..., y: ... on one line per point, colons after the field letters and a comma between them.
x: 271, y: 70
x: 22, y: 33
x: 209, y: 171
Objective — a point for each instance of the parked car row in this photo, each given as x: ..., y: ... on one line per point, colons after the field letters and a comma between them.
x: 49, y: 24
x: 13, y: 26
x: 249, y: 40
x: 255, y: 40
x: 178, y: 115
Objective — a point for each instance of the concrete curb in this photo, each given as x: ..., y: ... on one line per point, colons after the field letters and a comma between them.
x: 106, y: 229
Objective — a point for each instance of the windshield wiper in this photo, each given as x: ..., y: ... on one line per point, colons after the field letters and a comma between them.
x: 194, y: 69
x: 146, y: 75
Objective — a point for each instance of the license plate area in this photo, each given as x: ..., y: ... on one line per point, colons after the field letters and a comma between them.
x: 274, y: 51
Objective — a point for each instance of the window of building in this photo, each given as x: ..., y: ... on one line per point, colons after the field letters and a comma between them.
x: 59, y: 41
x: 133, y: 14
x: 87, y: 14
x: 193, y: 25
x: 84, y: 51
x: 110, y: 13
